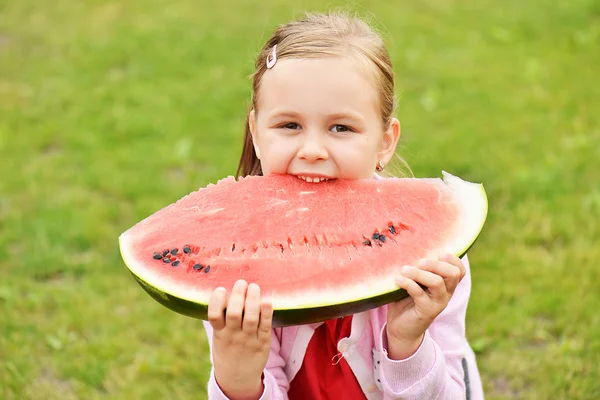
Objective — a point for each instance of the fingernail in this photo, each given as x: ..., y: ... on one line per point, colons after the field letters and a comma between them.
x: 422, y: 262
x: 406, y: 269
x: 240, y: 282
x: 220, y: 289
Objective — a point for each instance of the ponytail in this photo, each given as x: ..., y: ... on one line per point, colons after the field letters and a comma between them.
x: 249, y: 162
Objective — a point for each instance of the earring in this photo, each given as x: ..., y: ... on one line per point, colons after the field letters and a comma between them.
x: 380, y: 166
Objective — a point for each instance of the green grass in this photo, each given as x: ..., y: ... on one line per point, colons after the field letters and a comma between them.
x: 111, y: 110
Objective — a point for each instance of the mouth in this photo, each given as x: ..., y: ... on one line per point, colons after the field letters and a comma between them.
x: 313, y: 179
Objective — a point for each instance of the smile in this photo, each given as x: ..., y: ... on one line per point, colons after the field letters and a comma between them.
x: 314, y: 179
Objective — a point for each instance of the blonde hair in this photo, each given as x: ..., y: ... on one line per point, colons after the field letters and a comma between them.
x: 324, y: 35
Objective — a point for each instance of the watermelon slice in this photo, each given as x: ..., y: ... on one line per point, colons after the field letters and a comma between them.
x: 317, y: 250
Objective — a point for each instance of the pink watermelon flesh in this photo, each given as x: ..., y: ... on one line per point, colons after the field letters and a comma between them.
x: 305, y: 244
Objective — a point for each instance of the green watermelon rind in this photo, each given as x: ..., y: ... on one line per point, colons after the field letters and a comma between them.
x: 281, y: 317
x: 319, y: 312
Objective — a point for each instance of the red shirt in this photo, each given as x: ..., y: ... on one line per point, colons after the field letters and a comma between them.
x: 321, y: 376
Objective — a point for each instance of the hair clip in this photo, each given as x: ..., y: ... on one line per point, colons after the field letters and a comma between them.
x: 272, y: 58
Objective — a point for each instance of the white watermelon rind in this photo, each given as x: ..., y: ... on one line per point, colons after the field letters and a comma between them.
x: 326, y: 304
x: 476, y: 211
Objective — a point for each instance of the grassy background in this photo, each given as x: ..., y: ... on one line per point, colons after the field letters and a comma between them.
x: 111, y: 110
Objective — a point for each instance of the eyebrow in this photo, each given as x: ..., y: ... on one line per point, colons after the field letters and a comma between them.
x: 347, y: 115
x: 338, y: 115
x: 284, y: 113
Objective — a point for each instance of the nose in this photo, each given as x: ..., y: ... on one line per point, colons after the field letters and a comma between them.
x: 312, y: 147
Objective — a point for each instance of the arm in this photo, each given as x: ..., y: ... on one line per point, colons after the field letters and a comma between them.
x: 434, y: 370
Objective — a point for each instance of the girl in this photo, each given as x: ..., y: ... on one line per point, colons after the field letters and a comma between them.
x: 322, y: 105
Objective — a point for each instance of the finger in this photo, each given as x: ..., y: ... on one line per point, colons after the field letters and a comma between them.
x: 449, y: 272
x: 216, y: 308
x: 434, y: 283
x: 266, y: 322
x: 416, y: 292
x: 456, y: 261
x: 251, y: 309
x: 235, y: 307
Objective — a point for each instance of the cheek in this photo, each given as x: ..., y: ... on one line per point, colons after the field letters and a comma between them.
x: 358, y: 162
x: 276, y: 154
x: 366, y: 156
x: 368, y: 148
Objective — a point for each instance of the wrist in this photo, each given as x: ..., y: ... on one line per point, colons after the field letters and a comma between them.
x: 401, y: 348
x: 240, y: 391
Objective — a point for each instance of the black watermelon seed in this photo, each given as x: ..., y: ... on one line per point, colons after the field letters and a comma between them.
x: 392, y: 229
x: 175, y: 263
x: 186, y: 249
x: 166, y: 260
x: 233, y: 247
x: 375, y: 236
x: 165, y: 252
x: 198, y: 267
x: 174, y: 252
x: 157, y: 256
x: 367, y: 242
x: 207, y: 269
x: 382, y: 238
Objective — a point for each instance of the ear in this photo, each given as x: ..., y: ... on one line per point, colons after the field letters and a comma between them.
x: 390, y: 141
x: 252, y: 128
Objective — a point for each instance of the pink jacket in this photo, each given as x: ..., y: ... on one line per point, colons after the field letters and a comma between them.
x: 443, y: 367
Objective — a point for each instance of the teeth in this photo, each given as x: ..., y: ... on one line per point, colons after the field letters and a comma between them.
x: 311, y: 179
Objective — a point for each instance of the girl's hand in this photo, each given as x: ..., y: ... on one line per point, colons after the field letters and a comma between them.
x: 430, y: 286
x: 241, y: 339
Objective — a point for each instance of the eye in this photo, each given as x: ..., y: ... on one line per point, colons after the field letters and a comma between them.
x: 340, y: 128
x: 290, y: 125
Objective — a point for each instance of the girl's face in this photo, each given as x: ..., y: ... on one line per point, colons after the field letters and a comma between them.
x: 320, y: 118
